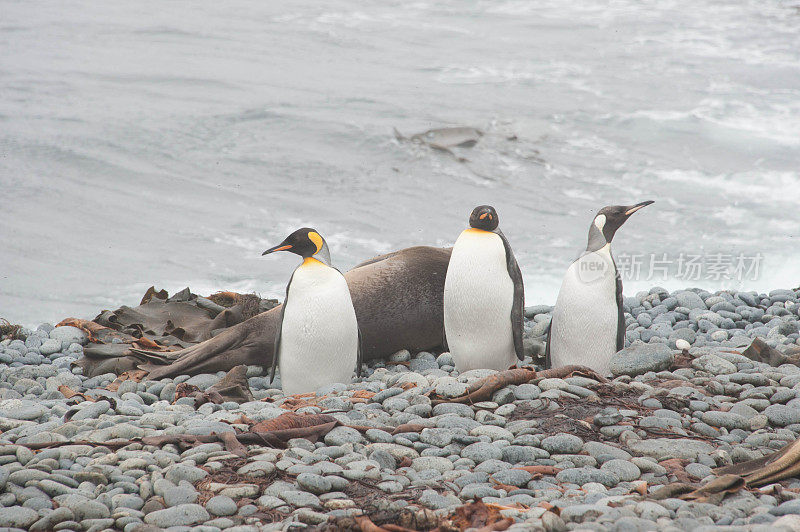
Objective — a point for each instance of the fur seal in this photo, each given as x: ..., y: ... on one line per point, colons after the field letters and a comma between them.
x: 398, y: 302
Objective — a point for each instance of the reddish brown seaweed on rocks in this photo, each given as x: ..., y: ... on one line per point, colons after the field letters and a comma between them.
x: 69, y: 393
x: 477, y: 516
x: 135, y: 376
x: 480, y: 516
x: 9, y: 331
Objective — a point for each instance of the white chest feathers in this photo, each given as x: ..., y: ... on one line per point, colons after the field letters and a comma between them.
x: 478, y: 297
x: 584, y: 326
x: 319, y: 333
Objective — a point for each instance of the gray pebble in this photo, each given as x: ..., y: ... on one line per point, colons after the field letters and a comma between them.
x: 316, y: 484
x: 181, y: 515
x: 562, y: 444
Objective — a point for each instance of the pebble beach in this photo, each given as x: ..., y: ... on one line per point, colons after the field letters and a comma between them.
x: 554, y: 454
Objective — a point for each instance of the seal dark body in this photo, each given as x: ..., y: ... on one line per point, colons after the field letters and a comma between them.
x: 398, y: 302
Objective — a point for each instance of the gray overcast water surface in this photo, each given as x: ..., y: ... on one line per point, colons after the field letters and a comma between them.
x: 169, y: 143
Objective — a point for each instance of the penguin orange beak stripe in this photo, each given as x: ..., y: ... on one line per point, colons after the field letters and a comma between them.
x: 278, y: 248
x: 484, y: 215
x: 637, y: 207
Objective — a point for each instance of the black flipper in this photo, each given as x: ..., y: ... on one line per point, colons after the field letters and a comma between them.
x: 359, y: 355
x: 278, y: 330
x: 518, y: 307
x: 620, y: 311
x: 547, y: 363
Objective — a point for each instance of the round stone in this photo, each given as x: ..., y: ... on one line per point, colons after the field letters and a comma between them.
x: 316, y: 484
x: 434, y: 463
x: 714, y: 365
x: 436, y: 436
x: 562, y: 444
x: 584, y: 475
x: 641, y: 358
x: 17, y: 517
x: 221, y: 505
x: 480, y: 452
x: 624, y: 470
x: 181, y: 515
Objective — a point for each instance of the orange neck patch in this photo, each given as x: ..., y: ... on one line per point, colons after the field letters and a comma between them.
x: 316, y: 239
x: 311, y: 261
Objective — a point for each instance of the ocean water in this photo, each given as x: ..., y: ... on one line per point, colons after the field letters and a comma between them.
x: 169, y: 143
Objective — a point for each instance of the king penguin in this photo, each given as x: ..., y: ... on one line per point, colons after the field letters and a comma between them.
x: 483, y: 297
x: 588, y: 325
x: 317, y: 340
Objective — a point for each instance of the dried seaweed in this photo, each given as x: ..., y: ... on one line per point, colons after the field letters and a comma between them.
x: 227, y: 474
x: 576, y: 415
x: 377, y: 518
x: 9, y: 331
x: 480, y: 516
x: 135, y: 376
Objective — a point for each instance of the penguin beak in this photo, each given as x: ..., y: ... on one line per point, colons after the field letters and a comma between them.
x: 633, y: 208
x: 277, y: 248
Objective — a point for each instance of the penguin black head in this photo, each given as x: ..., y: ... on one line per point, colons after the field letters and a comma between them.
x: 305, y: 242
x: 484, y: 217
x: 608, y: 220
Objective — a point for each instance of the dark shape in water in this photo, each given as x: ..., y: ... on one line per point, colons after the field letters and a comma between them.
x: 446, y: 137
x: 443, y: 139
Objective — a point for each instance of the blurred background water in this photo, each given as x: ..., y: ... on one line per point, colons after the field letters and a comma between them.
x: 169, y: 143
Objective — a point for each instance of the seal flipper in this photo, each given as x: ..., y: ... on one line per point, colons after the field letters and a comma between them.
x: 277, y: 346
x: 518, y: 306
